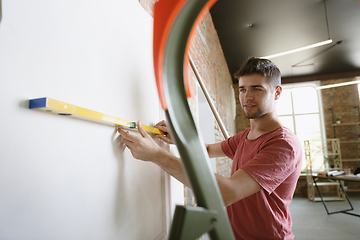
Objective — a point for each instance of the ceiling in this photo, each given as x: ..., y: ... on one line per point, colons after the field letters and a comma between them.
x: 264, y: 27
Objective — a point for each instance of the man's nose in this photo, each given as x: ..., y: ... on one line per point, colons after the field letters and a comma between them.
x: 249, y: 95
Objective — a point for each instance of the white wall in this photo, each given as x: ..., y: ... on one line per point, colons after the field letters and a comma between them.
x: 206, y: 122
x: 59, y: 177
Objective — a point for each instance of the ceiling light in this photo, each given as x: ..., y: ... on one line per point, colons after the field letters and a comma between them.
x: 309, y: 46
x: 339, y: 84
x: 299, y: 49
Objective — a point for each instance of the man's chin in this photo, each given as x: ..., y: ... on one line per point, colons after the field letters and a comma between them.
x: 253, y: 116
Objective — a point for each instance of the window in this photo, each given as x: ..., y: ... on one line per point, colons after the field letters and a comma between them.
x: 299, y: 110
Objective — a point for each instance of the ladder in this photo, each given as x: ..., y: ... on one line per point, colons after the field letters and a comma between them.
x: 175, y: 23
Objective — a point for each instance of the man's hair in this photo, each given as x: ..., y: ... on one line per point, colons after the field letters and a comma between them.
x: 260, y: 66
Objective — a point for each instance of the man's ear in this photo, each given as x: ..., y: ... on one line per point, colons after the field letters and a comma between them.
x: 278, y: 91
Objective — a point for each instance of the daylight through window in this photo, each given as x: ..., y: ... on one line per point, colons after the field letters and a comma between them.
x: 298, y: 109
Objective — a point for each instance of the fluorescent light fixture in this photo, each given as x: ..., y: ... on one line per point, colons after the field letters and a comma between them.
x: 339, y: 84
x: 299, y: 49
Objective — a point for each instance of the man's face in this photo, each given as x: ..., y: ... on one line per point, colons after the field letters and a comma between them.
x: 256, y: 96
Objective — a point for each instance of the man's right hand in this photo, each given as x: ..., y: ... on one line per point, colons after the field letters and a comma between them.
x: 162, y: 126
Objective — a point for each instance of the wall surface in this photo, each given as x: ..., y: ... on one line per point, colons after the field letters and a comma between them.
x: 60, y: 178
x: 344, y: 102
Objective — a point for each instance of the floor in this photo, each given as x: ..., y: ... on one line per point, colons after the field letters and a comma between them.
x: 310, y: 220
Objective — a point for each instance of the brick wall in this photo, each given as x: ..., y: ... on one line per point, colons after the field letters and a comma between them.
x: 343, y: 100
x: 148, y: 5
x: 208, y: 58
x: 242, y: 123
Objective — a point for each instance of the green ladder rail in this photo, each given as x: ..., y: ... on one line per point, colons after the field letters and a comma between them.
x: 174, y: 24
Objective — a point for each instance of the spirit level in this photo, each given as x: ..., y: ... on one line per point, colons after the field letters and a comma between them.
x: 65, y: 109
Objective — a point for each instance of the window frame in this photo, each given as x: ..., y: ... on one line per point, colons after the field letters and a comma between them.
x: 313, y: 84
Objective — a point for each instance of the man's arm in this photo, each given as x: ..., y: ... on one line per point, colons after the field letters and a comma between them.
x: 215, y: 150
x: 240, y: 185
x: 145, y: 148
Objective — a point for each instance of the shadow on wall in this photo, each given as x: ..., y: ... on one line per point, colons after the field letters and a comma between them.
x: 0, y: 12
x: 118, y: 149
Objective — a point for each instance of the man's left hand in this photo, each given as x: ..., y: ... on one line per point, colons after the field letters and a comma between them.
x: 141, y: 147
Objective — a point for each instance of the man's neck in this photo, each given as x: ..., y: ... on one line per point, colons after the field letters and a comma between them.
x: 262, y: 125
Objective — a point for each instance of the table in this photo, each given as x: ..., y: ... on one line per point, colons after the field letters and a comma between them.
x: 340, y: 178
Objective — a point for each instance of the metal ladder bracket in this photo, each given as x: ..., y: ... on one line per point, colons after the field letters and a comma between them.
x: 191, y: 222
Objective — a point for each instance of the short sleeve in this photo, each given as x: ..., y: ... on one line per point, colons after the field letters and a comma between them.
x: 230, y: 145
x: 274, y: 163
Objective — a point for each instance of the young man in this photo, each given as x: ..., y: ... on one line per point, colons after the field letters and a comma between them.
x: 266, y: 158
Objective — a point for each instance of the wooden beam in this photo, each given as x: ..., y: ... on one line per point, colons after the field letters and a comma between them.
x: 208, y: 99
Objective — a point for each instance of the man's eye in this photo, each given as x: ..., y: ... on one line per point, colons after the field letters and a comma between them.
x: 257, y: 89
x: 241, y: 90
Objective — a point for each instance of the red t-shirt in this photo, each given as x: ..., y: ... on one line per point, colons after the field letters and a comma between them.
x: 274, y: 161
